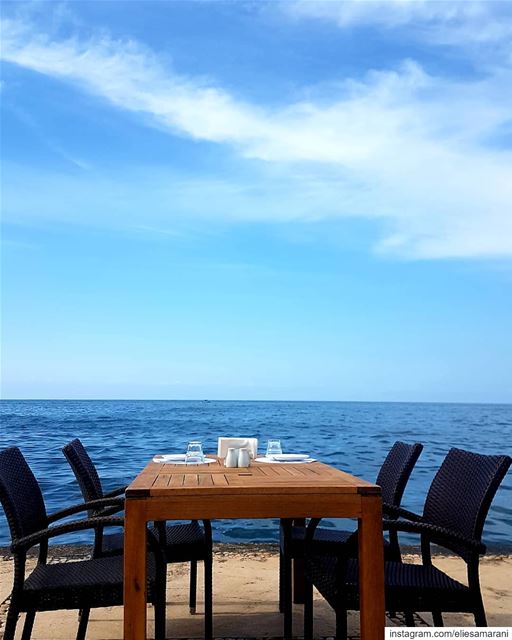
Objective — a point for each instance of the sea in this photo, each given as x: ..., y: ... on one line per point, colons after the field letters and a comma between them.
x: 122, y: 436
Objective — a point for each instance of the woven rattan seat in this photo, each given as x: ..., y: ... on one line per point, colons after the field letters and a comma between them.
x: 453, y: 517
x: 392, y: 478
x: 188, y: 542
x: 324, y: 539
x: 184, y: 542
x: 427, y: 583
x: 84, y: 584
x: 401, y: 575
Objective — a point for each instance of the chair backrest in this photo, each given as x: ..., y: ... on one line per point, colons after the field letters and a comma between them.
x: 84, y: 470
x: 462, y: 491
x: 20, y: 495
x: 396, y: 470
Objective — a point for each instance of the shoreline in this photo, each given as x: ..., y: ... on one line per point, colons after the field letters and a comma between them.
x: 74, y: 550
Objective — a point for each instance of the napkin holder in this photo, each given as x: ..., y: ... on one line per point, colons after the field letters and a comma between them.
x: 223, y: 444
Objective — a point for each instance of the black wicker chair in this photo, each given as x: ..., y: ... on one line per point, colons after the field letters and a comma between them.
x: 453, y: 517
x: 82, y: 585
x: 392, y: 478
x: 181, y: 542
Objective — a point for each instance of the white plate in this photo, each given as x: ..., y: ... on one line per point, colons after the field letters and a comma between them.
x: 290, y: 457
x: 178, y: 458
x: 170, y: 458
x: 294, y: 461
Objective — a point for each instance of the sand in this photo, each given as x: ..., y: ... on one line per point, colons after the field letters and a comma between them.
x: 245, y: 600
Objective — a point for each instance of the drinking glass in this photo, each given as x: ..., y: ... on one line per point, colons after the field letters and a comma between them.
x: 194, y: 453
x: 274, y: 448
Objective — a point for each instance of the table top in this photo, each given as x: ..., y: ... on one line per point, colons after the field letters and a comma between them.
x: 161, y: 480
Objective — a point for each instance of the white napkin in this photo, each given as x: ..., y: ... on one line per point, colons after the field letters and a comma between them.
x: 238, y: 443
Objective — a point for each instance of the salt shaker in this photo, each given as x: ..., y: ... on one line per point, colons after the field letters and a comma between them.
x: 231, y: 458
x: 244, y: 458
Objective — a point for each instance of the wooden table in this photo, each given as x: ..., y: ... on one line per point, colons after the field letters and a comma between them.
x: 209, y: 492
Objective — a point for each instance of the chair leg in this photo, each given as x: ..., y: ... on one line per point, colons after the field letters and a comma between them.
x: 298, y: 580
x: 11, y: 622
x: 480, y: 617
x: 193, y: 587
x: 409, y: 618
x: 281, y: 581
x: 208, y: 598
x: 341, y: 624
x: 160, y: 618
x: 82, y: 625
x: 29, y: 623
x: 437, y: 617
x: 287, y: 597
x: 308, y: 610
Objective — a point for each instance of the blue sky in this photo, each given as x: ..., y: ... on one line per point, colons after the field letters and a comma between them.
x: 274, y: 200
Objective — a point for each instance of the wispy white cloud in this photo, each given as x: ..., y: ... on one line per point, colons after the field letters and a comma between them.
x: 447, y: 21
x: 412, y: 149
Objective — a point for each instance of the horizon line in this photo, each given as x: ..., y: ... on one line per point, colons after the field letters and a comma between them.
x: 460, y: 402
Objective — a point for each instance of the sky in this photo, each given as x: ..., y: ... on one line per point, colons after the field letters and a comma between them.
x: 296, y: 200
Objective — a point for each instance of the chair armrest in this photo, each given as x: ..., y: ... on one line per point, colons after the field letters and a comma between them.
x: 310, y: 531
x: 207, y: 526
x: 115, y: 492
x: 440, y: 534
x: 109, y: 511
x: 59, y: 530
x: 118, y: 503
x: 399, y: 512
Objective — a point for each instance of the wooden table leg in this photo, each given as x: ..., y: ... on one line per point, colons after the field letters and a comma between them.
x: 371, y: 569
x: 135, y: 570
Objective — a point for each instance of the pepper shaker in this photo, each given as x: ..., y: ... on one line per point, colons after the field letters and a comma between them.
x: 244, y: 458
x: 231, y: 458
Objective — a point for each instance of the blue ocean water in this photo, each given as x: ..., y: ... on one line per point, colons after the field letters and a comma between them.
x: 121, y: 436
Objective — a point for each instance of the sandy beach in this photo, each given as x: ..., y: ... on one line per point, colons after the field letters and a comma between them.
x: 245, y: 599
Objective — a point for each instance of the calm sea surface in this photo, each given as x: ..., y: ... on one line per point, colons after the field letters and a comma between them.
x: 122, y: 436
